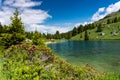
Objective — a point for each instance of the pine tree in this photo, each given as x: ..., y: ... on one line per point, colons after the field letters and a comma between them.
x: 1, y: 28
x: 80, y: 35
x: 80, y: 28
x: 69, y: 35
x: 115, y: 20
x: 16, y: 23
x: 86, y: 36
x: 99, y: 28
x: 57, y: 34
x: 108, y: 21
x: 75, y: 31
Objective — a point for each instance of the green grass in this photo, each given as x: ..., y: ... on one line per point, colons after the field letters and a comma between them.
x: 2, y: 76
x: 107, y: 29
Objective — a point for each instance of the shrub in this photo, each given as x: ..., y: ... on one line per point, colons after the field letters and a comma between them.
x: 11, y: 39
x: 37, y: 40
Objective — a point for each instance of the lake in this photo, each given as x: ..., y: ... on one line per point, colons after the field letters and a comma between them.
x: 102, y: 55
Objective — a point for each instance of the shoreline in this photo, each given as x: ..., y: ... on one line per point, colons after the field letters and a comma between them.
x: 54, y: 41
x: 49, y: 42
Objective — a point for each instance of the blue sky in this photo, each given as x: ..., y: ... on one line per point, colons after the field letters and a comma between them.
x: 50, y: 15
x: 73, y: 11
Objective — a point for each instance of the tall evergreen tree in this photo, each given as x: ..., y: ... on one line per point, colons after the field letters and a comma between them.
x: 80, y: 35
x: 115, y: 20
x: 1, y: 28
x: 80, y: 28
x: 49, y: 36
x: 86, y: 35
x: 69, y: 35
x: 75, y: 31
x: 57, y: 34
x: 16, y: 23
x: 108, y: 21
x: 99, y: 28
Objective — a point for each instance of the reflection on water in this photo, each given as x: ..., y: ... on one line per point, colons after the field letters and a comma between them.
x: 103, y: 55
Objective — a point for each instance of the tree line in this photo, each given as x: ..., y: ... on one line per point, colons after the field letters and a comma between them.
x: 15, y: 32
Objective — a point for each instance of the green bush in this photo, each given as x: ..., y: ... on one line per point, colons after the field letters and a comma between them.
x: 39, y: 42
x: 11, y: 39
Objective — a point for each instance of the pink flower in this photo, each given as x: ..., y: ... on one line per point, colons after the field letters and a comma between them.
x: 33, y: 48
x: 18, y: 45
x: 29, y: 49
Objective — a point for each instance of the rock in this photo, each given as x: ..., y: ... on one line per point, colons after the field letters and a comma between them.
x: 44, y: 58
x: 101, y: 34
x: 48, y: 66
x: 114, y: 33
x: 28, y: 41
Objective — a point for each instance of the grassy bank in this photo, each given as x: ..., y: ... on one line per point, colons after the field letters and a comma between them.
x: 30, y: 62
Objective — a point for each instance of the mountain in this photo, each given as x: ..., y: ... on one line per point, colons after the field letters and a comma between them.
x: 109, y: 25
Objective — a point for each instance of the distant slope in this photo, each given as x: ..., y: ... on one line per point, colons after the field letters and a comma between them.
x: 93, y: 35
x: 111, y: 31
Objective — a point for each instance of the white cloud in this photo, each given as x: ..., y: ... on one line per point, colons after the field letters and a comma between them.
x: 101, y: 9
x: 5, y: 15
x: 21, y: 3
x: 84, y: 23
x: 102, y: 12
x: 47, y: 28
x: 32, y: 18
x: 29, y: 16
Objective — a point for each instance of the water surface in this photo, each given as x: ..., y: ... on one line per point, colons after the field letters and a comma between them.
x: 103, y: 55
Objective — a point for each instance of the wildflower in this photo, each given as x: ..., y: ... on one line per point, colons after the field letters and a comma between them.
x: 18, y: 45
x: 29, y: 49
x: 33, y: 48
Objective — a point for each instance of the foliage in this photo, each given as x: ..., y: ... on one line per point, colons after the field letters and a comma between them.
x: 86, y: 35
x: 57, y: 35
x: 1, y: 28
x: 24, y: 62
x: 99, y: 28
x: 37, y: 40
x: 16, y: 24
x: 107, y: 29
x: 74, y: 32
x: 14, y: 33
x: 11, y: 39
x: 6, y: 29
x: 48, y: 36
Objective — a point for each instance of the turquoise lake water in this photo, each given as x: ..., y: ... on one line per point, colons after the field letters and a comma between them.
x: 102, y: 55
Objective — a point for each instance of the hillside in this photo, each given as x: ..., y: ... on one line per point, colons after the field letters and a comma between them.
x: 30, y: 62
x: 110, y: 29
x: 20, y: 63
